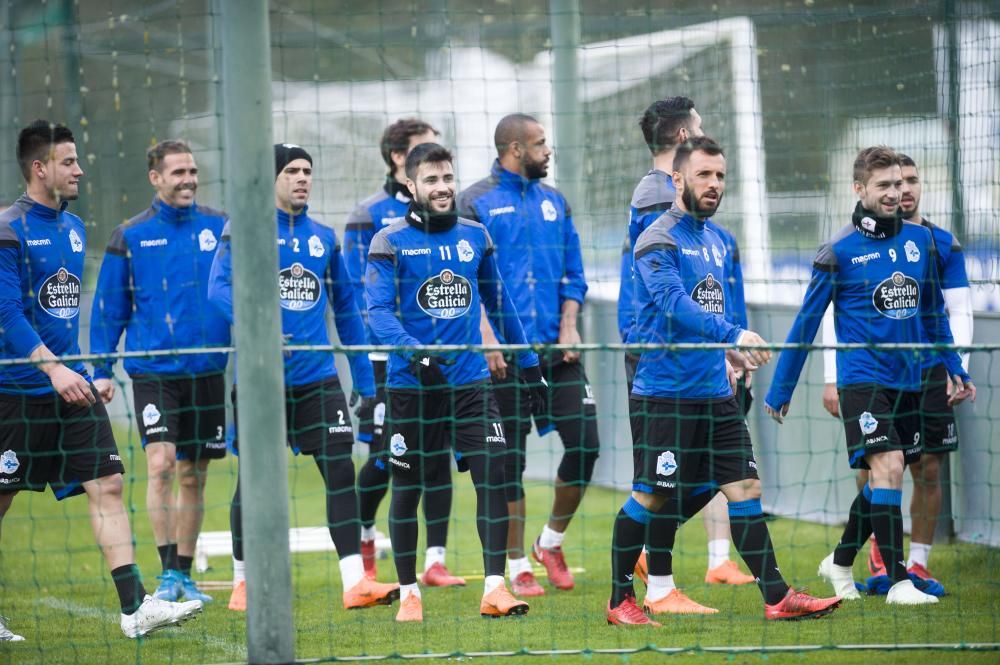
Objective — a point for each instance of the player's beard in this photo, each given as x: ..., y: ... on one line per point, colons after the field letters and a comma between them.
x: 692, y: 206
x: 535, y: 170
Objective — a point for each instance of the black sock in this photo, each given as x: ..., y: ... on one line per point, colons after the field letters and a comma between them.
x: 859, y: 527
x: 437, y: 502
x: 168, y: 556
x: 403, y: 529
x: 486, y: 470
x: 660, y: 536
x: 631, y: 526
x: 373, y: 483
x: 887, y: 523
x: 236, y: 521
x: 337, y: 470
x: 128, y: 583
x: 753, y: 542
x: 184, y: 564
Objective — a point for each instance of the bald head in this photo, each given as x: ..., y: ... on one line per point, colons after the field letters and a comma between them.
x: 521, y: 146
x: 511, y: 129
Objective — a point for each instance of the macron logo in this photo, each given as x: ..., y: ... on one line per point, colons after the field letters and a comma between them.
x: 36, y: 243
x: 422, y: 251
x: 865, y: 258
x: 158, y: 242
x: 502, y: 211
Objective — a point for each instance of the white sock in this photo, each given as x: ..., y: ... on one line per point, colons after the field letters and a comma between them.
x: 718, y: 552
x: 518, y: 566
x: 407, y: 589
x: 550, y: 538
x: 368, y: 532
x: 352, y: 569
x: 239, y: 571
x: 432, y: 556
x: 659, y: 586
x: 492, y: 582
x: 919, y: 553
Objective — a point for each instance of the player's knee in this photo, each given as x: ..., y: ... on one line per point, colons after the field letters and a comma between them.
x: 161, y: 465
x: 648, y: 500
x: 928, y: 470
x: 578, y: 466
x: 111, y: 487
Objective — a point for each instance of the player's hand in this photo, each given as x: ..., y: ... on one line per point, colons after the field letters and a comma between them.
x: 106, y: 389
x: 71, y: 386
x: 427, y: 369
x: 732, y: 376
x: 570, y: 335
x: 778, y: 414
x: 538, y: 389
x: 756, y: 356
x: 960, y: 391
x: 831, y: 400
x: 497, y: 364
x: 364, y: 410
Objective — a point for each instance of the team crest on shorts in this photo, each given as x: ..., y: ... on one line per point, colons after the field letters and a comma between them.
x: 150, y: 415
x: 397, y: 445
x: 8, y: 462
x: 867, y: 422
x: 666, y: 464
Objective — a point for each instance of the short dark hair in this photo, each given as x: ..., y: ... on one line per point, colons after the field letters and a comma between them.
x: 906, y: 160
x: 662, y: 120
x: 874, y: 157
x: 509, y: 130
x: 156, y: 154
x: 36, y: 141
x: 396, y: 137
x: 703, y: 144
x: 426, y: 153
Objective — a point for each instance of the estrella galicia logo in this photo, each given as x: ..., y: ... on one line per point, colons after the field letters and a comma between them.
x: 445, y: 296
x: 708, y: 293
x: 59, y: 295
x: 867, y: 422
x: 666, y: 463
x: 897, y: 297
x: 298, y: 288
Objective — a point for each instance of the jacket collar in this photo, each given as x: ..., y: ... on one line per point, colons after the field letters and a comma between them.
x: 510, y: 179
x: 169, y: 213
x: 289, y: 220
x: 28, y: 204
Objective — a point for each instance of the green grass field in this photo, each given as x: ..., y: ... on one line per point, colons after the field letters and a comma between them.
x: 58, y: 594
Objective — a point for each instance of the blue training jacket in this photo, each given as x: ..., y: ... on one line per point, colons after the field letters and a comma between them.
x: 153, y: 286
x: 653, y: 196
x: 385, y: 207
x: 883, y: 284
x: 311, y: 275
x: 680, y: 271
x: 425, y: 287
x: 41, y: 270
x: 537, y: 247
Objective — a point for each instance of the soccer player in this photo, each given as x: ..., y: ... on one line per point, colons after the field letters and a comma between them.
x: 427, y: 277
x: 54, y: 429
x: 379, y: 210
x: 688, y: 432
x: 880, y: 273
x: 311, y: 276
x: 538, y: 253
x: 937, y: 422
x: 153, y: 286
x: 666, y: 124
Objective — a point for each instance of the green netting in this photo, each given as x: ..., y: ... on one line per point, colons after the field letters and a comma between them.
x: 791, y: 92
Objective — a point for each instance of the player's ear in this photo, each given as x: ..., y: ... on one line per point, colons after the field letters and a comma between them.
x: 678, y: 181
x: 154, y: 177
x: 682, y: 135
x: 412, y: 186
x: 858, y: 188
